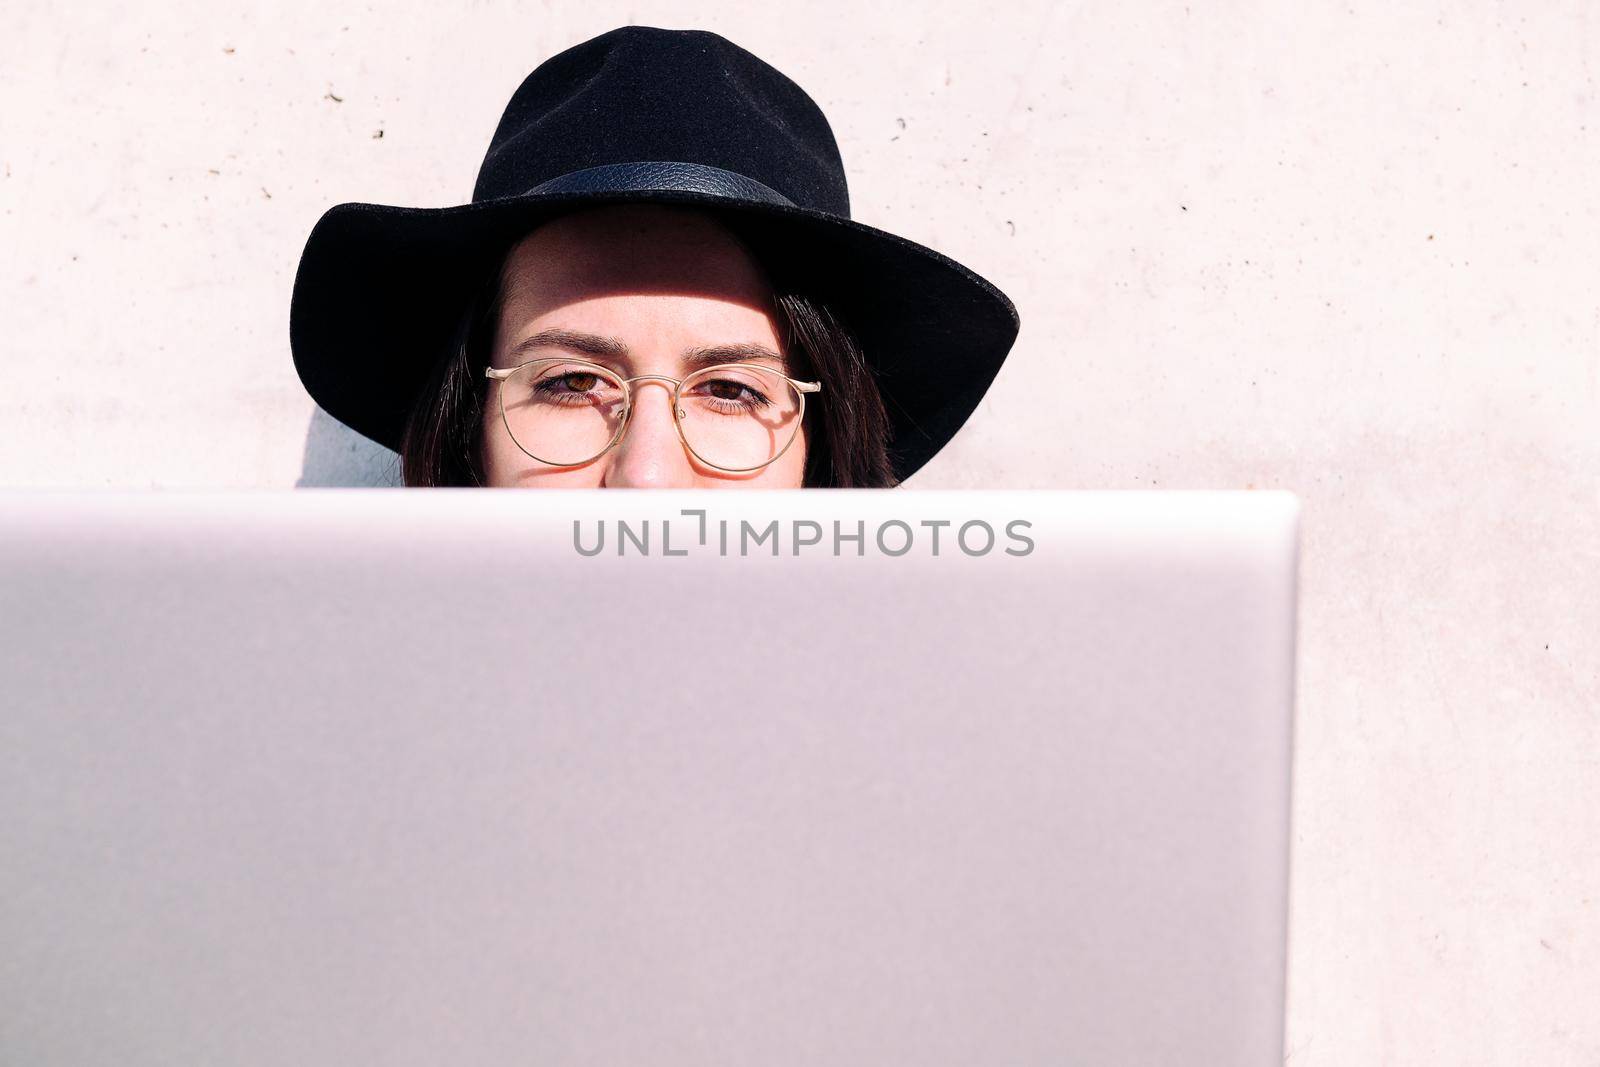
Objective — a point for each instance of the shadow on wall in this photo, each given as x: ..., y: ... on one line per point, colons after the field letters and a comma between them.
x: 336, y: 455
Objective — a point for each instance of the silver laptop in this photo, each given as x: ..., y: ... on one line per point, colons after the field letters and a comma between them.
x: 666, y: 778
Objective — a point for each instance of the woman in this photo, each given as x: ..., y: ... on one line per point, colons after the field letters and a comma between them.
x: 657, y: 283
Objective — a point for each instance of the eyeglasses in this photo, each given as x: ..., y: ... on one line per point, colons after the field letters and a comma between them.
x: 735, y: 417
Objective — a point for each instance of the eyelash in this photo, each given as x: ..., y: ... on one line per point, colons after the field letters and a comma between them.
x: 547, y: 389
x: 752, y: 400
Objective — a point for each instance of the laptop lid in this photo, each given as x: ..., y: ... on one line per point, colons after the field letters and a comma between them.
x: 554, y: 777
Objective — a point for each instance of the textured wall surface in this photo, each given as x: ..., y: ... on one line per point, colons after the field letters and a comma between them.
x: 1347, y: 249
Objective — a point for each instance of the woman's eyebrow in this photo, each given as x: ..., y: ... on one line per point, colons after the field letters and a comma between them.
x: 695, y: 358
x: 588, y: 343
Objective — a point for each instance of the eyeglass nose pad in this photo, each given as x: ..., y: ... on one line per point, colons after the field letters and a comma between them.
x: 682, y: 414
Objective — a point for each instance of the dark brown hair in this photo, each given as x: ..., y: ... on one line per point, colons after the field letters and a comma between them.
x: 847, y: 429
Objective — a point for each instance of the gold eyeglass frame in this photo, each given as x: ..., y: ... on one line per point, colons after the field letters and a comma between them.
x: 801, y: 389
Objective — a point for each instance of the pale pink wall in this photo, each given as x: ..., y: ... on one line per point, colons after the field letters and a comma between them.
x: 1344, y: 249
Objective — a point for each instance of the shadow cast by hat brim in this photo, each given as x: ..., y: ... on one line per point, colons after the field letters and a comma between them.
x: 380, y: 290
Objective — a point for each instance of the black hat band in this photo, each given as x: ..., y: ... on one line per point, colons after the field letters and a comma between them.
x: 657, y: 177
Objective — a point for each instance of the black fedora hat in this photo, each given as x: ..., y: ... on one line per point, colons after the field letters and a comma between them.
x: 658, y: 116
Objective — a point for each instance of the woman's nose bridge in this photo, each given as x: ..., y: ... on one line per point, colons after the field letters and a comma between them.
x: 674, y: 382
x: 669, y: 386
x: 650, y: 446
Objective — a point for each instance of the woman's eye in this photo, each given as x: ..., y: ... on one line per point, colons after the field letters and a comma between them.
x: 571, y: 382
x: 728, y: 391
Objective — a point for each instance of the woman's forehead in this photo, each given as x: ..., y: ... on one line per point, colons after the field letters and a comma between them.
x: 645, y: 322
x: 631, y: 250
x: 653, y: 279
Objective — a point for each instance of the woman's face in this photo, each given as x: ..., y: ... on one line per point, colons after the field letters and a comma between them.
x: 640, y: 290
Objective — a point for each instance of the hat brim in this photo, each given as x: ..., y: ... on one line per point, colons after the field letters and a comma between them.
x: 380, y: 290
